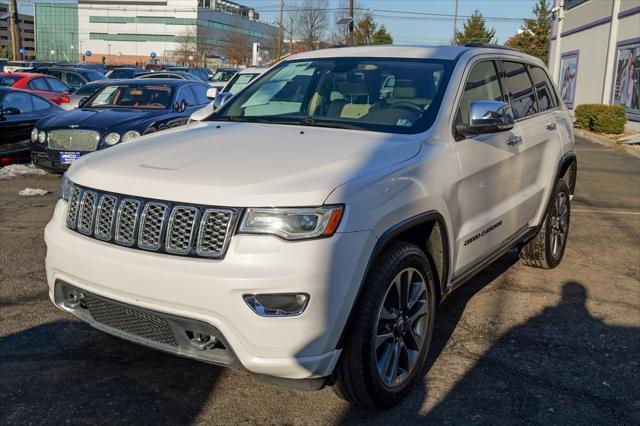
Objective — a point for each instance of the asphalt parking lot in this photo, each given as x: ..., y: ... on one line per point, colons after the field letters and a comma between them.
x: 514, y: 345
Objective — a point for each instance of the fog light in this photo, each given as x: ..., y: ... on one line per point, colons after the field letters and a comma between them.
x: 277, y: 305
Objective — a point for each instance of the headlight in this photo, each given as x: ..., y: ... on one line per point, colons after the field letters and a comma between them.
x: 65, y: 189
x: 294, y: 223
x: 42, y: 136
x: 34, y: 135
x: 131, y: 134
x: 112, y: 139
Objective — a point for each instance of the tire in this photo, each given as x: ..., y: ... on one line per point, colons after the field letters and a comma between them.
x: 358, y: 378
x: 545, y: 250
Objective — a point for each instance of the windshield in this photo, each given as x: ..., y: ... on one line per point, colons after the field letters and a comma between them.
x: 239, y: 82
x: 387, y: 95
x: 224, y: 75
x: 131, y: 96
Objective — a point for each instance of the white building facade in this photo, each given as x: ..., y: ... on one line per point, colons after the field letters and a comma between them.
x: 594, y: 53
x: 132, y: 31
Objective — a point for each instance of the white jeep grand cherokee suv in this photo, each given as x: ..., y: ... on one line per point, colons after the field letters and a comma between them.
x: 307, y: 230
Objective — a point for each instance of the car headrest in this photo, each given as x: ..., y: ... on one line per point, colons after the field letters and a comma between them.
x: 404, y: 89
x: 349, y: 88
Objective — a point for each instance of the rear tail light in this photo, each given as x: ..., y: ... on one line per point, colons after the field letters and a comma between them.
x: 65, y: 100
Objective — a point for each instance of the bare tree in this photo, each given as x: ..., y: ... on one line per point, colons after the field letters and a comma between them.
x: 339, y: 35
x: 237, y: 48
x: 312, y: 22
x: 193, y: 43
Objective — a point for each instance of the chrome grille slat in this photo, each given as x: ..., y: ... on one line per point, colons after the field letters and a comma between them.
x: 214, y: 227
x: 105, y: 217
x: 87, y: 212
x: 181, y: 229
x: 73, y: 139
x: 74, y: 206
x: 152, y: 225
x: 127, y: 221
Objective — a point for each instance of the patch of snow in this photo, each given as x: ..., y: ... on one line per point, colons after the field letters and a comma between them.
x: 30, y: 192
x: 13, y: 171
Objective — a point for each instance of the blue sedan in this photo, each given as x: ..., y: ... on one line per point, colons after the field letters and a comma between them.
x: 116, y: 113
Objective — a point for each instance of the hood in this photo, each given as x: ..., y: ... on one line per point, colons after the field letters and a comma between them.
x: 242, y: 164
x: 99, y: 118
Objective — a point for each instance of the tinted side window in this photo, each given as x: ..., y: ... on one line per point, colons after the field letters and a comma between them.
x: 20, y: 101
x: 185, y: 94
x: 38, y: 84
x: 74, y: 80
x: 40, y: 104
x: 544, y: 89
x: 482, y: 85
x: 201, y: 94
x: 523, y: 100
x: 56, y: 85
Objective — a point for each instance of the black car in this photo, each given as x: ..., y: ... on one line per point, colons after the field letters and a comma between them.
x: 19, y: 111
x: 74, y: 77
x: 118, y: 112
x: 201, y: 73
x: 124, y: 72
x: 178, y: 75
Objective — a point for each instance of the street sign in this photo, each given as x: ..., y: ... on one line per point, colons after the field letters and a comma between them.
x: 153, y: 55
x: 223, y: 58
x: 22, y: 51
x: 88, y: 53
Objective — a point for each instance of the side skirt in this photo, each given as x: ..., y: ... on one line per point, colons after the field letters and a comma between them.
x: 522, y: 235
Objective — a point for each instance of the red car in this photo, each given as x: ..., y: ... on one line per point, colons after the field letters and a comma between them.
x: 43, y: 85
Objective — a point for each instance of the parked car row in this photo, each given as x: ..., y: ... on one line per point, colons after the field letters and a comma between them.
x: 104, y: 112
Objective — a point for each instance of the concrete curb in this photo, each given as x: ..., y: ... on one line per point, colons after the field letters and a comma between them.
x: 601, y: 140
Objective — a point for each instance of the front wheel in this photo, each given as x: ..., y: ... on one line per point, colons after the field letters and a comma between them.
x: 387, y: 345
x: 546, y: 249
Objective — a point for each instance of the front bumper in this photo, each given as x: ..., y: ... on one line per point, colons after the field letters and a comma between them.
x: 49, y: 159
x: 209, y: 292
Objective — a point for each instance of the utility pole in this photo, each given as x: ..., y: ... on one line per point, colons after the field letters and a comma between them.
x: 280, y: 32
x: 14, y: 24
x: 350, y: 37
x: 455, y: 23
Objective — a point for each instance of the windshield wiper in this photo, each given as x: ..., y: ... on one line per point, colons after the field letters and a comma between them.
x: 310, y: 121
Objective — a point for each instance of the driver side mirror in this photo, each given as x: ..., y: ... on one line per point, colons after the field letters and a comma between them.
x: 83, y: 101
x: 221, y: 99
x: 10, y: 111
x: 487, y: 117
x: 180, y: 106
x: 212, y: 92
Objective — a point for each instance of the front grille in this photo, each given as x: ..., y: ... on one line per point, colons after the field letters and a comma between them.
x: 73, y: 140
x: 155, y: 225
x: 130, y: 320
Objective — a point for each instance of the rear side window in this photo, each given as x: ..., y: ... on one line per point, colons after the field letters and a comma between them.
x: 544, y: 89
x: 20, y: 101
x: 40, y: 104
x: 38, y: 84
x: 74, y: 80
x: 57, y: 85
x: 482, y: 85
x: 201, y: 94
x: 185, y: 94
x: 523, y: 100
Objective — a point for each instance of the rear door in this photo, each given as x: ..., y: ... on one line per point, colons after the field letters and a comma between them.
x: 533, y: 102
x: 487, y: 195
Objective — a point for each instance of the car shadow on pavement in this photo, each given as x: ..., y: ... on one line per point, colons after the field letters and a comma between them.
x: 561, y: 366
x: 67, y: 372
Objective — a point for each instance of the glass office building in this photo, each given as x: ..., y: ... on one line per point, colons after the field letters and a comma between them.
x: 56, y: 28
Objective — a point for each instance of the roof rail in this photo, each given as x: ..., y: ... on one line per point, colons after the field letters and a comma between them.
x: 490, y: 46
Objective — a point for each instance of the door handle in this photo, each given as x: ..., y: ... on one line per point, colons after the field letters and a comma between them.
x: 514, y: 140
x: 551, y: 126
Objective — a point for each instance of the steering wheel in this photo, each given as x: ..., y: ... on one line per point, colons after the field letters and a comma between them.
x: 407, y: 106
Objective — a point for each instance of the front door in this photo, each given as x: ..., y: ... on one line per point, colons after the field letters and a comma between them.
x: 492, y: 167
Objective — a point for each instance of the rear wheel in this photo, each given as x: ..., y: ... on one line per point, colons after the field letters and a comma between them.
x: 546, y: 249
x: 387, y: 345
